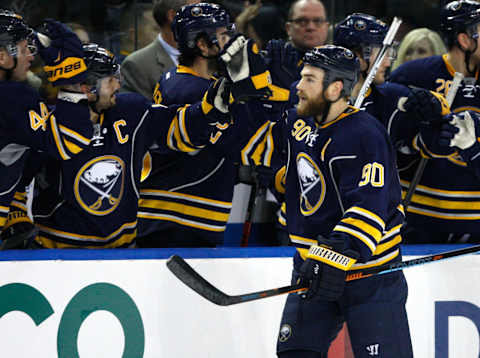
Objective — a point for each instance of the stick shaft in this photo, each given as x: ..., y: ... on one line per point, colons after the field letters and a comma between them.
x: 387, y: 42
x: 185, y: 273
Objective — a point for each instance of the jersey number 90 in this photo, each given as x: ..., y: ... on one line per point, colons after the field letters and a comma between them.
x: 373, y: 174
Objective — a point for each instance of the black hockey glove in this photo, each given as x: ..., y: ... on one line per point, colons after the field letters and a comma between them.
x: 325, y: 269
x: 430, y: 110
x: 63, y: 56
x: 246, y: 69
x: 215, y: 103
x: 284, y: 63
x: 18, y: 232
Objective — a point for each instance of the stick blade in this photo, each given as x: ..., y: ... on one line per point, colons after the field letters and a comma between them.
x: 185, y: 273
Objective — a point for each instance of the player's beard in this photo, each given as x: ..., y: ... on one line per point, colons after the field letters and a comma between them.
x: 312, y: 107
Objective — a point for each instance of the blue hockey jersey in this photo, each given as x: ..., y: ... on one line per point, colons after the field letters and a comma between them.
x: 340, y: 180
x: 27, y: 123
x: 98, y: 190
x: 194, y: 191
x: 446, y: 198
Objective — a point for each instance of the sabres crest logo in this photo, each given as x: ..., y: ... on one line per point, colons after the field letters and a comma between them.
x: 99, y: 184
x: 312, y: 185
x: 196, y: 11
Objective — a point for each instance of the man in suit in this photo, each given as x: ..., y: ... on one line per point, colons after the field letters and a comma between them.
x: 142, y: 69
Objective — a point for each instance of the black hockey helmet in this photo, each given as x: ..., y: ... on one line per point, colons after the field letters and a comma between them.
x: 339, y: 63
x: 457, y: 17
x: 13, y: 29
x: 100, y: 63
x: 359, y: 29
x: 193, y: 20
x: 360, y: 32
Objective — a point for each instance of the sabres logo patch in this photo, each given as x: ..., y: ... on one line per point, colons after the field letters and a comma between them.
x: 196, y: 11
x: 360, y: 25
x: 312, y: 185
x: 99, y: 184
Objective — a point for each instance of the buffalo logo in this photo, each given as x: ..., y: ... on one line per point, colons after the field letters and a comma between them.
x: 360, y: 25
x: 99, y: 184
x: 348, y: 54
x: 312, y: 185
x: 285, y: 333
x: 196, y: 11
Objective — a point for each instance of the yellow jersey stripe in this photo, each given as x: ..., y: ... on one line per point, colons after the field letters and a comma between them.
x: 73, y: 134
x: 368, y: 214
x: 184, y: 209
x: 72, y: 236
x: 366, y: 228
x: 388, y: 245
x: 51, y: 244
x: 366, y: 240
x: 194, y: 198
x: 185, y: 222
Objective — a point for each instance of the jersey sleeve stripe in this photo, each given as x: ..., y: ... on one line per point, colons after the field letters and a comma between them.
x: 366, y: 228
x: 77, y: 136
x: 72, y: 147
x: 57, y: 138
x: 366, y: 240
x: 388, y: 245
x: 368, y: 214
x: 253, y: 141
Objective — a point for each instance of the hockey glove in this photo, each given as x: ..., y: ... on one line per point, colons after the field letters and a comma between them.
x: 429, y: 109
x: 246, y: 69
x: 18, y: 232
x: 63, y: 57
x: 461, y: 132
x: 325, y: 269
x: 284, y: 63
x: 215, y: 103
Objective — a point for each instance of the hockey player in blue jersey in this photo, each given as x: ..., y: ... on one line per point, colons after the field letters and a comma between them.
x: 26, y: 122
x: 187, y: 198
x: 96, y: 193
x: 445, y: 205
x: 342, y: 200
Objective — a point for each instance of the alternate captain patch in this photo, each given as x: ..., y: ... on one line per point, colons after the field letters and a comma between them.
x: 99, y: 184
x: 285, y: 333
x: 312, y: 184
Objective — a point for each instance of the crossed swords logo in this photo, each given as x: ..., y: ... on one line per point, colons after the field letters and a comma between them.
x: 104, y: 194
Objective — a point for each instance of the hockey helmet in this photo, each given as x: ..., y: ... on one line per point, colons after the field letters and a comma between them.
x: 339, y: 63
x: 361, y: 31
x: 458, y: 15
x: 100, y: 63
x: 193, y: 20
x: 13, y: 29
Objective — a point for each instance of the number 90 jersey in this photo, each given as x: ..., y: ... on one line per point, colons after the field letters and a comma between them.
x: 341, y: 181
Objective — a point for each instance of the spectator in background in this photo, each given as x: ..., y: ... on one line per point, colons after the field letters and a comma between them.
x: 142, y: 69
x: 419, y: 43
x: 307, y: 24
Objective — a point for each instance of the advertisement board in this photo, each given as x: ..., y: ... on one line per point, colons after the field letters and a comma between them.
x: 125, y: 303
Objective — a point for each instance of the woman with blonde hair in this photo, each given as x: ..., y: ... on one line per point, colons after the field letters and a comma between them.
x: 419, y: 43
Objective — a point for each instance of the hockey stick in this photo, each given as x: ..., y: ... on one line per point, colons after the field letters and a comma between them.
x: 387, y: 43
x: 452, y: 92
x: 185, y: 273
